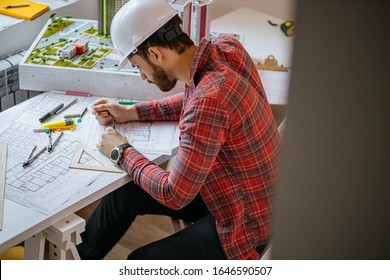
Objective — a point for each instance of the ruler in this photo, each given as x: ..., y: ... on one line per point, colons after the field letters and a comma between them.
x: 3, y: 164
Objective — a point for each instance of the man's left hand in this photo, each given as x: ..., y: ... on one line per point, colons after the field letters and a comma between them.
x: 109, y: 139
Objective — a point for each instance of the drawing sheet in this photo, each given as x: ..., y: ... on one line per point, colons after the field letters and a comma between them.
x: 146, y: 137
x: 48, y: 182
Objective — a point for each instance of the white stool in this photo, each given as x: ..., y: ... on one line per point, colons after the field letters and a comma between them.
x: 63, y: 236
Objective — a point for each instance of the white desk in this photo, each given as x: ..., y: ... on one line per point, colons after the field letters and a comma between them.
x: 20, y: 222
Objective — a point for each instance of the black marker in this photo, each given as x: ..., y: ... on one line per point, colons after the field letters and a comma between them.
x: 83, y: 112
x: 51, y: 113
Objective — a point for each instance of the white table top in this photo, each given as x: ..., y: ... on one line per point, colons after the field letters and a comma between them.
x: 21, y: 222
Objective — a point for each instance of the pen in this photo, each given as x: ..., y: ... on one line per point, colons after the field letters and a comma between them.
x: 127, y: 102
x: 16, y: 6
x: 72, y: 116
x: 59, y: 123
x: 67, y: 106
x: 41, y: 130
x: 82, y: 114
x: 51, y: 113
x: 112, y: 124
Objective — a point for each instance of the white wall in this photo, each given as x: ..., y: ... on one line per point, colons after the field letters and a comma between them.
x: 284, y: 9
x: 24, y: 34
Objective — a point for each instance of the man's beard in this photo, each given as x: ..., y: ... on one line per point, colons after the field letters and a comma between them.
x: 160, y: 78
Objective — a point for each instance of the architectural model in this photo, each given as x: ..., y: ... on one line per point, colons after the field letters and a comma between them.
x: 195, y: 15
x: 107, y: 10
x: 64, y: 38
x: 70, y: 54
x: 184, y: 9
x: 200, y: 20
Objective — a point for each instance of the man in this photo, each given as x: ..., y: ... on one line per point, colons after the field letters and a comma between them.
x: 224, y: 174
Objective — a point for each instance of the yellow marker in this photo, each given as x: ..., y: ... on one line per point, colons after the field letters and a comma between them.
x: 56, y: 124
x: 60, y: 128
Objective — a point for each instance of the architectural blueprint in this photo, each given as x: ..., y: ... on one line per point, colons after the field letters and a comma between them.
x: 146, y: 137
x: 48, y: 182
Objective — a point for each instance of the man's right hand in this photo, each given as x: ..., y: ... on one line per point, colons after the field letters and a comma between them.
x: 106, y: 111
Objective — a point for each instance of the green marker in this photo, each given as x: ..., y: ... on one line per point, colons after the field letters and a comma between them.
x: 45, y: 130
x: 82, y: 114
x: 127, y: 102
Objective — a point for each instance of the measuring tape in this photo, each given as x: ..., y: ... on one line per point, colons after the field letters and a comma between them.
x: 288, y: 27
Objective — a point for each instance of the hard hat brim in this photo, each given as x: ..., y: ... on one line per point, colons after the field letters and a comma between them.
x: 122, y: 63
x: 129, y: 29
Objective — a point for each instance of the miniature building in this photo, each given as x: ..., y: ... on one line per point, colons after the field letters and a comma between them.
x: 106, y: 11
x: 200, y: 22
x: 184, y: 9
x: 195, y: 15
x: 68, y: 52
x: 81, y: 46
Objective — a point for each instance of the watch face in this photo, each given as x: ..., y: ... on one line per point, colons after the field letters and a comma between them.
x: 114, y: 154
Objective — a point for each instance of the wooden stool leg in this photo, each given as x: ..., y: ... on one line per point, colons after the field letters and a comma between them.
x: 64, y: 236
x: 34, y: 247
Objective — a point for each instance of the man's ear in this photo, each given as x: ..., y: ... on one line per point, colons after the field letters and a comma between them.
x: 155, y: 54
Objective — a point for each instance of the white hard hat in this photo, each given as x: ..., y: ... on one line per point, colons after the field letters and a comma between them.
x: 135, y: 22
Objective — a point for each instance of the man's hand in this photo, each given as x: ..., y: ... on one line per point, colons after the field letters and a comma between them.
x: 109, y: 139
x: 105, y: 112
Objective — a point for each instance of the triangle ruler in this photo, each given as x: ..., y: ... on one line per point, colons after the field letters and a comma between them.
x: 3, y: 164
x: 104, y: 165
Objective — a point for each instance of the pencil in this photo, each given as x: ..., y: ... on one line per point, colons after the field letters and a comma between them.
x: 16, y: 6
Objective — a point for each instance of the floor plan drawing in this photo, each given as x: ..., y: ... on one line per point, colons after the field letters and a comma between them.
x: 146, y: 137
x: 48, y: 182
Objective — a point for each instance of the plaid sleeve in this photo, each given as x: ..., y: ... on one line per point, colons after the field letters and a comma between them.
x: 204, y: 129
x: 167, y: 109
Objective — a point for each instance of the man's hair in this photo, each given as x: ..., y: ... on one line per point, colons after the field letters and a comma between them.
x: 168, y: 36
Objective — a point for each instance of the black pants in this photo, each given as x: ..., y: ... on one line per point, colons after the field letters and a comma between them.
x: 117, y: 211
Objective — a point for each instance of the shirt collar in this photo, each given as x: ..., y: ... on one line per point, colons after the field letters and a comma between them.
x: 201, y: 58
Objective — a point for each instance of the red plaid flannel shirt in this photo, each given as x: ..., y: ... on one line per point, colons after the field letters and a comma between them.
x: 227, y: 149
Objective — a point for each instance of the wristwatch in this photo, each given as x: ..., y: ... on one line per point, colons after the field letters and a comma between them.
x: 117, y: 152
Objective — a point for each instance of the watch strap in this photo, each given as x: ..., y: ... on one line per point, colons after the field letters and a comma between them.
x: 124, y: 146
x: 119, y: 149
